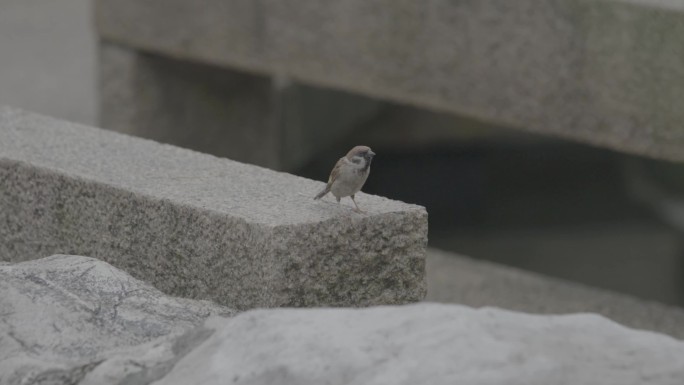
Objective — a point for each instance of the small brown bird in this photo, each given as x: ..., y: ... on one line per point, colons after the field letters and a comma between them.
x: 349, y: 174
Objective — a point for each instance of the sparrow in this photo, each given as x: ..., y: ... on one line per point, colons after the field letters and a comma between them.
x: 349, y: 174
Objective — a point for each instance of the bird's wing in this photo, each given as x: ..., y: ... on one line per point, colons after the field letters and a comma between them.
x: 333, y: 176
x: 335, y: 171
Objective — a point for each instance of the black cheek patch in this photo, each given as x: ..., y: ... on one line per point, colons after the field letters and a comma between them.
x: 368, y: 162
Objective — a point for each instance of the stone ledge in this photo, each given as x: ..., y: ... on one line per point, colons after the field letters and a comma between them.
x: 600, y: 72
x: 198, y: 226
x: 453, y: 278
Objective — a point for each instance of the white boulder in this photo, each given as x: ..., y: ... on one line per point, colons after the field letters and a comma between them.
x: 69, y: 319
x: 427, y: 344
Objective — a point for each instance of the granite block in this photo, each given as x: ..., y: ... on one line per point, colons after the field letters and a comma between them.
x: 198, y: 226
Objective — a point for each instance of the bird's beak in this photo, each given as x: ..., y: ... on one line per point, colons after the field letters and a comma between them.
x: 371, y: 153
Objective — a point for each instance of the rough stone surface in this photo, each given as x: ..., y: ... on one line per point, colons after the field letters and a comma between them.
x: 427, y: 344
x: 457, y: 279
x: 603, y: 72
x: 198, y: 226
x: 255, y: 119
x: 65, y: 319
x: 70, y: 319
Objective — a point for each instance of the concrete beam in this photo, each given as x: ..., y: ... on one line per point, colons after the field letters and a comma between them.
x: 602, y: 72
x: 268, y: 121
x: 198, y: 226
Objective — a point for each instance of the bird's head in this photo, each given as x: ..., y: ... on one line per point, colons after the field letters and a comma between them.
x: 361, y: 155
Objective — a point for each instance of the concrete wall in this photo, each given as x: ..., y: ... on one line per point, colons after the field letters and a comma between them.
x: 453, y: 278
x: 608, y: 73
x: 269, y: 121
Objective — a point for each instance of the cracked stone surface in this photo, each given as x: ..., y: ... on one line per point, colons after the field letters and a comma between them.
x: 427, y: 344
x: 197, y: 226
x: 65, y: 319
x: 77, y: 320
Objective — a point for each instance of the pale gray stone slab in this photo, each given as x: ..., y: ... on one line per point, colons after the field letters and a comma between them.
x: 454, y: 278
x: 603, y: 72
x: 198, y: 226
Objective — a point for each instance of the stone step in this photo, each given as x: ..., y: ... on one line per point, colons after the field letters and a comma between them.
x: 454, y: 278
x: 198, y: 226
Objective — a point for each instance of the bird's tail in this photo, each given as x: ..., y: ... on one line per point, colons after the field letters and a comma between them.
x: 322, y: 193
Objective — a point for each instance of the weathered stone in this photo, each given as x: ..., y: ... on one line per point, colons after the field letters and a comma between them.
x: 66, y: 319
x: 198, y: 226
x: 427, y: 344
x: 602, y: 72
x: 69, y: 319
x: 454, y: 278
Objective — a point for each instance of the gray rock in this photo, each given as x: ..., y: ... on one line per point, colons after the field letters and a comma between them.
x: 69, y: 319
x: 66, y: 319
x: 594, y: 71
x: 427, y: 344
x: 197, y: 226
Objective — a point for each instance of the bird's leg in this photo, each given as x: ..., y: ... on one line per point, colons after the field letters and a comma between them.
x: 358, y: 210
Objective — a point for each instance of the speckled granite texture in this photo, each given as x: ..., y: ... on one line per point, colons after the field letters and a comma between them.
x: 198, y: 226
